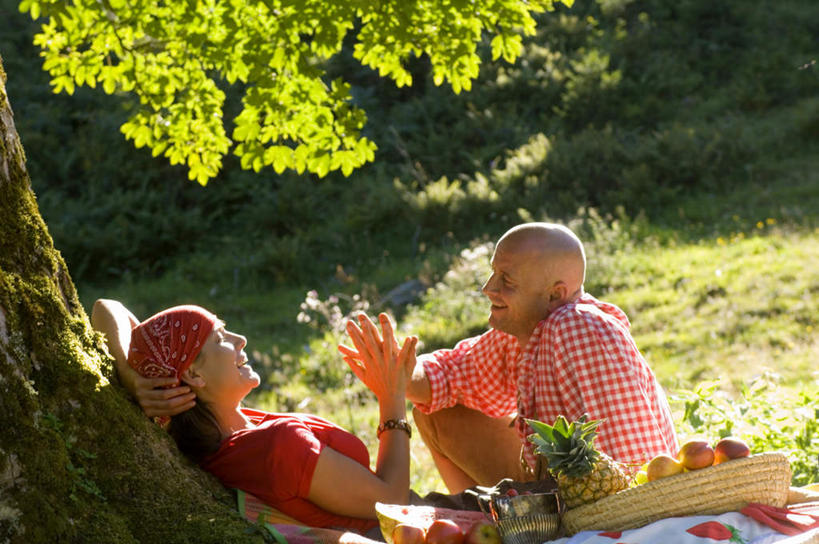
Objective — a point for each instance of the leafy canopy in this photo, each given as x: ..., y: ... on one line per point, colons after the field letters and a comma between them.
x: 173, y: 56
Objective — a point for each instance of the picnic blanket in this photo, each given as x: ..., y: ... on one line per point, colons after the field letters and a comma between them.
x: 287, y: 530
x: 756, y: 524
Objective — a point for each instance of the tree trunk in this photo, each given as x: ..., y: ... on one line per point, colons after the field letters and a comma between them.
x: 78, y: 461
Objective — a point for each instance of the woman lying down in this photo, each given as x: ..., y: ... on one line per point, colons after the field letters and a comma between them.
x: 300, y: 464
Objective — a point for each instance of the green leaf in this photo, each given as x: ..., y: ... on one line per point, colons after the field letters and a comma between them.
x: 171, y: 56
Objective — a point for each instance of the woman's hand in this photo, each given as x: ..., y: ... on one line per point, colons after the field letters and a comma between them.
x: 156, y: 396
x: 342, y: 485
x: 377, y: 361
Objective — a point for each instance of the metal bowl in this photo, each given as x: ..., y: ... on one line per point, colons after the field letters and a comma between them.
x: 534, y: 529
x: 505, y: 507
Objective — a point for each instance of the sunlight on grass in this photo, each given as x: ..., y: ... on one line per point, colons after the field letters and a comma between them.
x: 729, y: 307
x: 725, y: 308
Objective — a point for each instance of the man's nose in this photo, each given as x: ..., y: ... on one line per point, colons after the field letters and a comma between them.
x: 489, y: 285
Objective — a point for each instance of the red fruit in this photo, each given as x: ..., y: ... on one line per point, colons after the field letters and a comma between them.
x: 730, y: 448
x: 483, y: 532
x: 511, y: 492
x: 444, y: 531
x: 407, y: 534
x: 390, y: 515
x: 696, y: 454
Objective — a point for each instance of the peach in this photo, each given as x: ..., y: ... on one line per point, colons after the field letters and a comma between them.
x: 404, y: 533
x: 662, y: 466
x: 696, y: 454
x: 730, y: 448
x: 444, y: 531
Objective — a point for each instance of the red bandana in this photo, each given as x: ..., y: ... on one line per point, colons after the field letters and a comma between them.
x: 166, y: 344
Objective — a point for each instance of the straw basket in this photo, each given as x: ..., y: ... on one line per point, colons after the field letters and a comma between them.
x: 764, y: 478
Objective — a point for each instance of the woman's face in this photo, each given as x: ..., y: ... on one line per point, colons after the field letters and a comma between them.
x: 223, y: 365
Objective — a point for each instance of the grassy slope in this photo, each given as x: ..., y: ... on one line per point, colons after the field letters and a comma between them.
x: 710, y: 293
x: 726, y: 307
x: 728, y: 303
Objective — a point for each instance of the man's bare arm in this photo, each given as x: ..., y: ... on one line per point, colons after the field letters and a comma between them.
x: 418, y: 388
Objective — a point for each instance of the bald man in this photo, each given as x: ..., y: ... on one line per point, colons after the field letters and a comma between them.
x: 552, y: 350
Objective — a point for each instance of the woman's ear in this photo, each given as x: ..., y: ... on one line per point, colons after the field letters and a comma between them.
x: 192, y: 378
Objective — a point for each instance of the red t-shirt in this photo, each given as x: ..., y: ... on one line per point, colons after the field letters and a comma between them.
x: 275, y: 462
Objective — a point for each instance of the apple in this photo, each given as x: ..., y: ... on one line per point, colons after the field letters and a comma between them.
x: 444, y: 531
x: 662, y: 466
x: 483, y: 532
x: 403, y: 533
x: 730, y: 448
x: 696, y: 454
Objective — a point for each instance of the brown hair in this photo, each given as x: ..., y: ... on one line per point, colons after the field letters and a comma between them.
x: 196, y: 432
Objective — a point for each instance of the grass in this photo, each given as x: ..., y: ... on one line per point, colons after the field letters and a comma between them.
x: 728, y: 294
x: 725, y: 308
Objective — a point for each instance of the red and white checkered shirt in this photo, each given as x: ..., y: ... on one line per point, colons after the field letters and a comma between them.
x: 580, y: 359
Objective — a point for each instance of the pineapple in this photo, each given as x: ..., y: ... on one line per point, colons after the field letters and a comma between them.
x: 583, y: 474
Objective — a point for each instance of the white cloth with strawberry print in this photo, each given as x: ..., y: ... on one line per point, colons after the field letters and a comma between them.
x: 730, y: 527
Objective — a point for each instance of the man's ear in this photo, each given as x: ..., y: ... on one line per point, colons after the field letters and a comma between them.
x: 192, y: 378
x: 559, y: 292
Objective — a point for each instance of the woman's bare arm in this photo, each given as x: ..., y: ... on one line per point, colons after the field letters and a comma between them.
x: 342, y: 485
x: 156, y: 396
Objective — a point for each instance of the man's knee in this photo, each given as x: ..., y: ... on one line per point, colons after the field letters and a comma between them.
x: 457, y: 425
x: 485, y: 448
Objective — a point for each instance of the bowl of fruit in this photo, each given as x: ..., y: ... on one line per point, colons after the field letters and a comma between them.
x: 526, y: 518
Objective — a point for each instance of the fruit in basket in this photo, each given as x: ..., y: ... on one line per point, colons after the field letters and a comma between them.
x: 390, y: 515
x: 483, y: 532
x: 405, y: 533
x: 696, y: 454
x: 444, y: 531
x: 583, y: 474
x: 640, y: 477
x: 730, y: 448
x: 662, y: 466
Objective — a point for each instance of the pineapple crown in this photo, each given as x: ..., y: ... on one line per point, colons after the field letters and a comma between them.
x: 568, y: 447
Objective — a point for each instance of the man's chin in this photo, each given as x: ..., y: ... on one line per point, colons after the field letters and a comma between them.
x: 496, y: 323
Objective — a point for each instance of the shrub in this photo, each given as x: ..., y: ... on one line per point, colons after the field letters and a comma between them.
x: 766, y: 416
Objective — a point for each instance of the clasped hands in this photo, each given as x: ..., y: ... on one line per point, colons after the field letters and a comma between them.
x: 377, y: 360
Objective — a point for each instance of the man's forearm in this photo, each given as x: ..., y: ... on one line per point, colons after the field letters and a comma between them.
x: 419, y: 390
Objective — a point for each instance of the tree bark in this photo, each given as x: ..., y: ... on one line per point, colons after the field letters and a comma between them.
x: 78, y: 461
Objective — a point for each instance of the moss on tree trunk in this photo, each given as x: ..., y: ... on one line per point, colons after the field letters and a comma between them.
x: 78, y: 461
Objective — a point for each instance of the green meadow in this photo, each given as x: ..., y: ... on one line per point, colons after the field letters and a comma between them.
x: 679, y: 140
